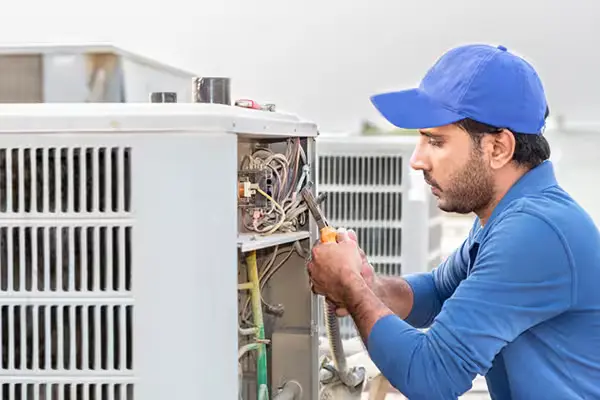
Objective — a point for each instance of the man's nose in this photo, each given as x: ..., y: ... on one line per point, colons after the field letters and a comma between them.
x: 418, y: 160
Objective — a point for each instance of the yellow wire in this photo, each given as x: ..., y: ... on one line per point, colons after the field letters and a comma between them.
x: 278, y: 206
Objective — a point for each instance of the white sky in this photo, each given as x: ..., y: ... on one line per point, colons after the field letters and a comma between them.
x: 324, y: 59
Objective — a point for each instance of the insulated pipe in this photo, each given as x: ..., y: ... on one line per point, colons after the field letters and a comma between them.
x: 261, y: 359
x: 332, y: 328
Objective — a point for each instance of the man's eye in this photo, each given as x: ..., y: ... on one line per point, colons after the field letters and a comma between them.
x: 435, y: 142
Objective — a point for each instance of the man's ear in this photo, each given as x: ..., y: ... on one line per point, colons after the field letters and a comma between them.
x: 502, y: 146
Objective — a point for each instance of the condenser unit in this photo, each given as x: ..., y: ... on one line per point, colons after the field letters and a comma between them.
x: 371, y: 188
x: 128, y: 237
x: 93, y: 73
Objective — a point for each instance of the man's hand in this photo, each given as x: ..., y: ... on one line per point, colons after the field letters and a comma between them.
x: 333, y: 265
x: 366, y: 270
x: 335, y: 272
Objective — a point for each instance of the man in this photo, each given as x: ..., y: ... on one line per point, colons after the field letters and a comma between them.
x: 518, y: 302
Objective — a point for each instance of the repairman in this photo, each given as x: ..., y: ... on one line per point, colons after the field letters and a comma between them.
x: 518, y: 302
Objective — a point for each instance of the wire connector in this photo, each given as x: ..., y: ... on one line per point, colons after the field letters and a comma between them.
x: 247, y: 189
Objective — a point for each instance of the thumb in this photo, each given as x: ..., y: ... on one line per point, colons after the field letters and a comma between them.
x: 342, y: 235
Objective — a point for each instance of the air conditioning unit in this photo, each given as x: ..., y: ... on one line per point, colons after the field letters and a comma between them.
x: 94, y: 73
x: 132, y: 238
x: 372, y: 189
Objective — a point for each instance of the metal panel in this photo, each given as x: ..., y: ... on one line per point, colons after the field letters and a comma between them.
x: 21, y: 78
x: 77, y: 78
x: 142, y: 79
x: 151, y: 118
x: 85, y: 73
x: 66, y: 298
x: 96, y: 264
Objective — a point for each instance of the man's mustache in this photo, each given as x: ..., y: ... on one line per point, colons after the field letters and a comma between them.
x: 430, y: 181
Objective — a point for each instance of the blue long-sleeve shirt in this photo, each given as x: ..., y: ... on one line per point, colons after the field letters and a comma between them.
x: 518, y: 302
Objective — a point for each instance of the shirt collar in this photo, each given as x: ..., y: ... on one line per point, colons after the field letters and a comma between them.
x: 534, y: 181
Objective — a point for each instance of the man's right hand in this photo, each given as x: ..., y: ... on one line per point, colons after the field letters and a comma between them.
x: 367, y: 272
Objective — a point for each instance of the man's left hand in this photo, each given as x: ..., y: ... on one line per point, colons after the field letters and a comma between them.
x: 333, y: 267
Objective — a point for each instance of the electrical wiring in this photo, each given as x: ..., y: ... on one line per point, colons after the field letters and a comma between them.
x: 262, y: 275
x: 267, y: 271
x: 286, y: 212
x: 270, y: 228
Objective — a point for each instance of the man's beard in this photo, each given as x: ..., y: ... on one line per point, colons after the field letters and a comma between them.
x: 469, y: 190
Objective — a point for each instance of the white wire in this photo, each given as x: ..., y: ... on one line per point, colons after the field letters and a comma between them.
x: 284, y: 167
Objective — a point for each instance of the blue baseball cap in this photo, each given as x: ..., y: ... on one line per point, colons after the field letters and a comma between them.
x: 481, y: 82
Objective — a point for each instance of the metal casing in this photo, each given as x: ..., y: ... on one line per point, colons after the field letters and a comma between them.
x: 120, y: 247
x: 85, y: 73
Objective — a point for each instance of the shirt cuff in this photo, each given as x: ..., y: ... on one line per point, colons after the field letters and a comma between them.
x: 424, y: 291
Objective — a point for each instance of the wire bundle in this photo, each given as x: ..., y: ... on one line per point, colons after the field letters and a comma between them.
x: 266, y: 272
x: 287, y: 211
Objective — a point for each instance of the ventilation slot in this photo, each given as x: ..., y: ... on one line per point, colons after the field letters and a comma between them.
x: 67, y: 391
x: 65, y: 259
x: 65, y: 180
x: 387, y: 269
x: 66, y: 337
x: 363, y: 206
x: 360, y: 170
x: 380, y: 241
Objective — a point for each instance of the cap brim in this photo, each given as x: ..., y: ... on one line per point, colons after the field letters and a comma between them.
x: 413, y: 109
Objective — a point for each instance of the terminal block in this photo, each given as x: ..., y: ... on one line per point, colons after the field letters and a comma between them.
x: 248, y: 197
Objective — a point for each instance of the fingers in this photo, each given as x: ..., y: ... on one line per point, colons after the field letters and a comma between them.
x: 342, y: 235
x: 346, y: 234
x: 352, y: 235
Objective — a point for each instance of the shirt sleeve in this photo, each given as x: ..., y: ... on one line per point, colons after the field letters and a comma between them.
x: 431, y: 289
x: 522, y: 276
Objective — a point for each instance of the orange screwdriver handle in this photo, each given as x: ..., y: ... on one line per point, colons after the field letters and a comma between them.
x: 328, y: 235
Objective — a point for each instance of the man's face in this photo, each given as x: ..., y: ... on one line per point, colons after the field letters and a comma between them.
x: 455, y: 168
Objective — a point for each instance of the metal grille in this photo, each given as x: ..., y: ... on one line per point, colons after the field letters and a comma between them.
x: 65, y: 180
x: 66, y: 302
x: 364, y: 193
x: 65, y: 259
x: 387, y: 269
x: 379, y: 241
x: 66, y: 337
x: 67, y: 391
x: 360, y: 170
x: 364, y: 206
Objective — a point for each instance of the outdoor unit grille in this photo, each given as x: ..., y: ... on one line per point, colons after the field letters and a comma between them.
x: 65, y: 273
x: 371, y: 189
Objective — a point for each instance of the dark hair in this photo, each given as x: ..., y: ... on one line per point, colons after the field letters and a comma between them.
x: 530, y: 150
